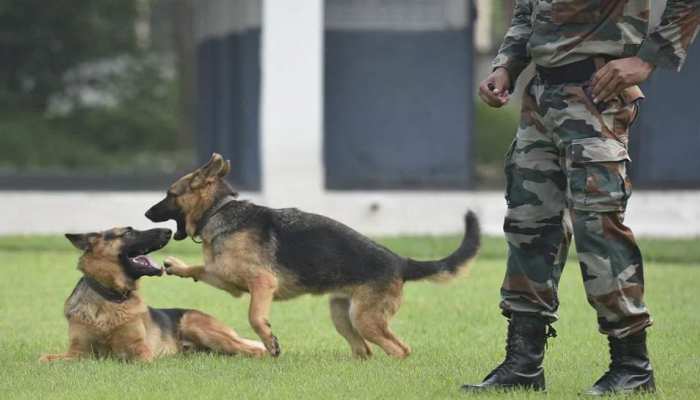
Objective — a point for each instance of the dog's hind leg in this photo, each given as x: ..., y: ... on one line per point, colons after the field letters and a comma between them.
x: 46, y: 358
x: 206, y: 332
x: 371, y: 310
x: 374, y: 327
x: 340, y: 314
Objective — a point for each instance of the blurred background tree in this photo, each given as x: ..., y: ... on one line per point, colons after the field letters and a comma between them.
x: 85, y: 75
x: 41, y: 41
x: 107, y: 86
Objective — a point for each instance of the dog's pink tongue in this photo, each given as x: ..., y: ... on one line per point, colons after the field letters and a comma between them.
x: 147, y: 266
x: 145, y: 261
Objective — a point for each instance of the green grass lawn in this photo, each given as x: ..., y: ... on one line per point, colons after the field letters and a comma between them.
x: 455, y: 330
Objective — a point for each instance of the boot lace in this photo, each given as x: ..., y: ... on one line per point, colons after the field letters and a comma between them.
x: 505, y: 366
x: 549, y: 333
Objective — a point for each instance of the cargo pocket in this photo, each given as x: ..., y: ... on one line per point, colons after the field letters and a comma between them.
x: 597, y: 175
x: 622, y: 111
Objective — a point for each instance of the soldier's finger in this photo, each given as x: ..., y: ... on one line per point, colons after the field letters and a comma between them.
x: 500, y: 86
x: 606, y: 77
x: 484, y: 98
x: 616, y: 91
x: 596, y: 77
x: 487, y: 93
x: 493, y: 102
x: 607, y: 90
x: 487, y: 86
x: 600, y: 74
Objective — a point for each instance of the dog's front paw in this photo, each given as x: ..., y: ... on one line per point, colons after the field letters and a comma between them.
x: 175, y: 266
x: 273, y: 347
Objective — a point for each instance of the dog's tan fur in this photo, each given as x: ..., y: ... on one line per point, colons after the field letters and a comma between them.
x: 244, y: 267
x: 126, y: 330
x: 372, y: 306
x: 245, y: 261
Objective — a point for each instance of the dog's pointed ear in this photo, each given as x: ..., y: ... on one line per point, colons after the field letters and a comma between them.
x: 82, y: 241
x: 216, y: 167
x: 225, y: 169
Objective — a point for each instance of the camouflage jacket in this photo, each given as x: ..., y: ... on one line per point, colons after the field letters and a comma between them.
x: 558, y: 32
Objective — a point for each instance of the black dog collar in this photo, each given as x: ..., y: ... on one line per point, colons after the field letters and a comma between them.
x: 210, y: 213
x: 107, y: 293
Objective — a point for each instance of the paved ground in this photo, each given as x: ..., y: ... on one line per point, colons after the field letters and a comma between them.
x: 651, y: 213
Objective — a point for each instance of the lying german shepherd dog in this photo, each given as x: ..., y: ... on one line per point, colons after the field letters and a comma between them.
x: 278, y: 254
x: 107, y: 317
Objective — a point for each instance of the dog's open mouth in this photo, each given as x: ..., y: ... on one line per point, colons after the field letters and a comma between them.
x: 181, y: 232
x: 135, y: 261
x: 143, y: 265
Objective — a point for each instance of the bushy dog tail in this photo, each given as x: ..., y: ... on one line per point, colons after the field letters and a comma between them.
x: 450, y: 266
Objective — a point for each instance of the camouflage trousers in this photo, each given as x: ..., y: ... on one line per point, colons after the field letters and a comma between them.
x: 566, y: 173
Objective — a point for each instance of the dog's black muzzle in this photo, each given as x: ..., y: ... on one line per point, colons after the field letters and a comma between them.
x: 166, y: 210
x: 144, y: 242
x: 162, y: 211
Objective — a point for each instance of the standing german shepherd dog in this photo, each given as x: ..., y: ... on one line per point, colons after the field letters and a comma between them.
x: 107, y: 317
x: 280, y: 254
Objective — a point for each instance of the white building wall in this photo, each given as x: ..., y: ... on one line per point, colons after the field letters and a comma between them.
x: 291, y: 117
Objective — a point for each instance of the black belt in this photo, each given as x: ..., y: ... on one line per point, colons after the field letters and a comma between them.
x: 577, y: 72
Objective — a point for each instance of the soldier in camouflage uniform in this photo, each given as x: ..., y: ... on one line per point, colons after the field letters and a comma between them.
x: 566, y: 173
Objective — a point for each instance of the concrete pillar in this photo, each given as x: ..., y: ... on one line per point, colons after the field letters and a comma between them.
x: 291, y: 117
x: 483, y: 25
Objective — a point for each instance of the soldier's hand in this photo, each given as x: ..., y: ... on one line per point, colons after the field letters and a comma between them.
x: 494, y: 89
x: 618, y: 75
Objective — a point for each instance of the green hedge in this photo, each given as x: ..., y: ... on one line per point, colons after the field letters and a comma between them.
x: 495, y: 129
x: 139, y: 132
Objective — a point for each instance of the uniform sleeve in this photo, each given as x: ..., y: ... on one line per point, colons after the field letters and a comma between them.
x: 667, y: 45
x: 513, y: 55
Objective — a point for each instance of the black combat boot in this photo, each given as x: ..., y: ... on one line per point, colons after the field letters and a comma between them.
x: 629, y: 371
x: 522, y: 368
